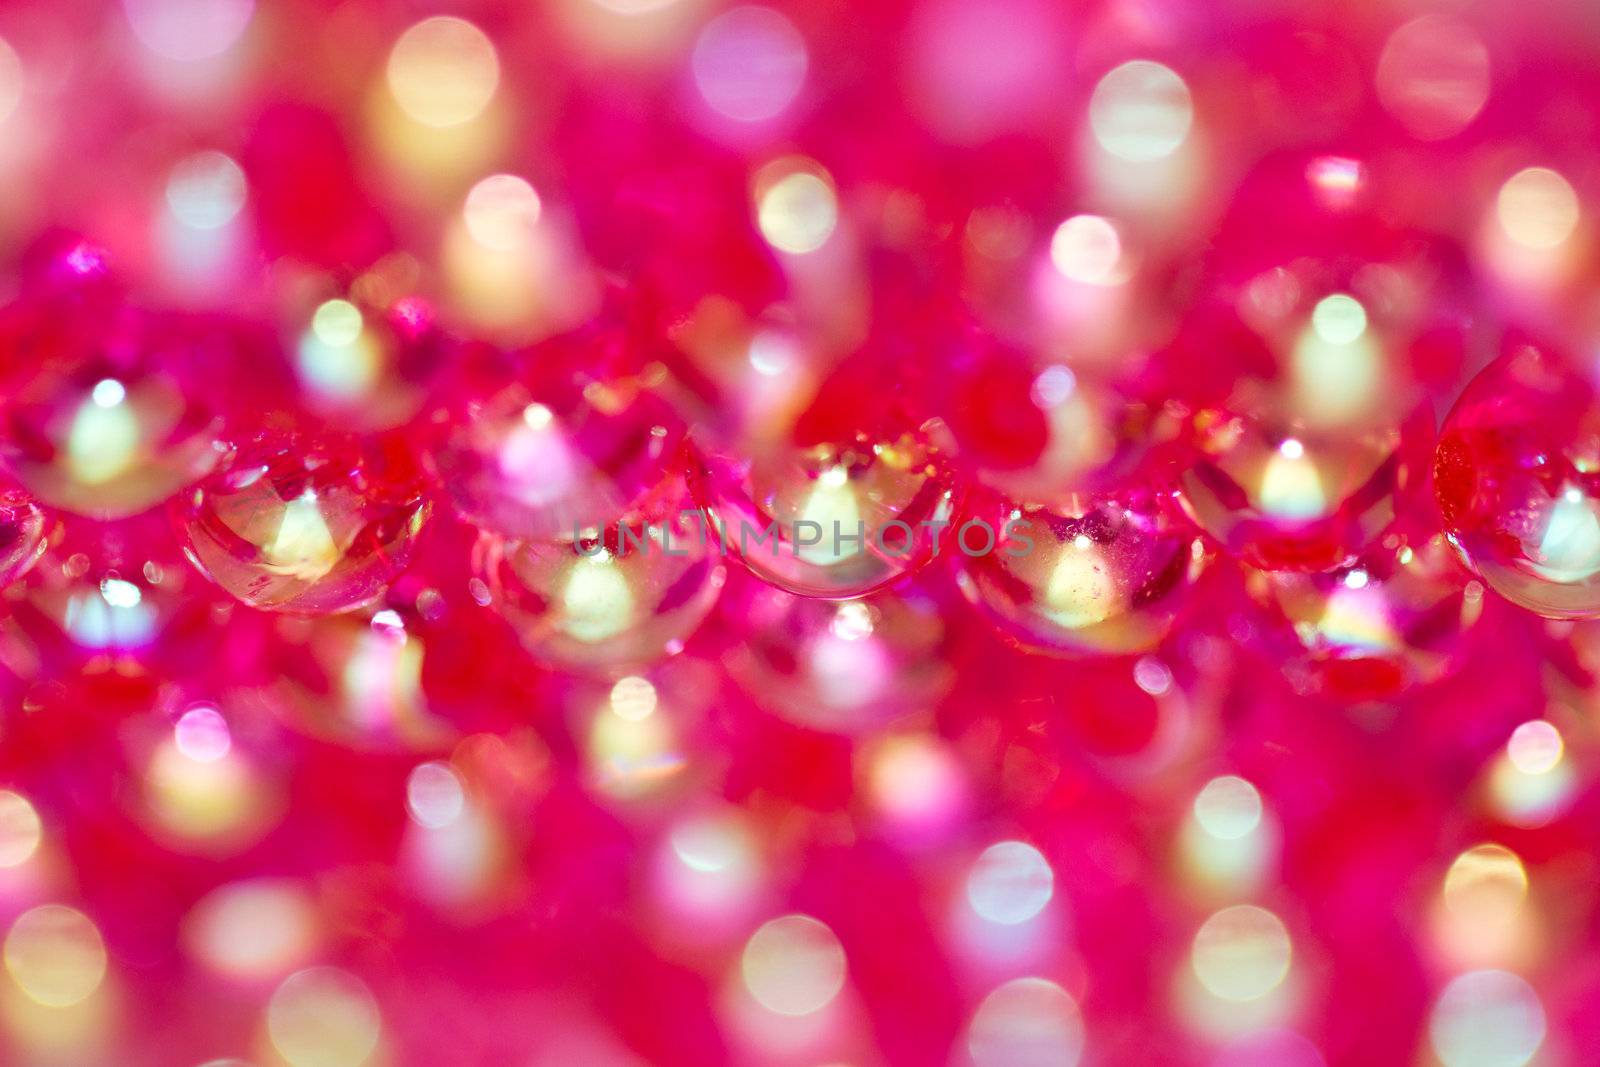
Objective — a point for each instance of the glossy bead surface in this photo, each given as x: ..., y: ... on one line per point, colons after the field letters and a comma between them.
x: 306, y: 525
x: 107, y: 422
x: 1100, y: 574
x: 1516, y: 477
x: 556, y: 451
x: 1396, y: 618
x: 625, y: 595
x: 848, y: 667
x: 832, y: 520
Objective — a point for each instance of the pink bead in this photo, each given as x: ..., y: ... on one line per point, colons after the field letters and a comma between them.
x: 847, y: 668
x: 307, y: 525
x: 1398, y: 617
x: 1305, y: 365
x: 1517, y: 484
x: 23, y: 530
x: 109, y: 416
x: 575, y: 441
x: 625, y: 595
x: 1100, y: 573
x: 833, y: 520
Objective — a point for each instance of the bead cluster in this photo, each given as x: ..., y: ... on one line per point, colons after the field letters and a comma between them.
x: 627, y: 533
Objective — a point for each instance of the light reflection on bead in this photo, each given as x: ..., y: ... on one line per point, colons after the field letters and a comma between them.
x: 749, y: 64
x: 107, y: 451
x: 1102, y: 574
x: 1229, y: 840
x: 55, y: 955
x: 1396, y: 618
x: 1087, y: 248
x: 501, y: 211
x: 1241, y: 953
x: 1141, y: 111
x: 20, y: 830
x: 304, y: 526
x: 434, y: 795
x: 202, y: 735
x: 793, y: 965
x: 796, y: 208
x: 1481, y: 918
x: 833, y: 521
x: 253, y: 930
x: 1027, y: 1022
x: 323, y: 1017
x: 189, y: 30
x: 1537, y: 208
x: 1535, y: 747
x: 1433, y: 76
x: 443, y: 71
x: 629, y: 596
x: 1010, y: 883
x: 1228, y: 808
x: 1531, y: 782
x: 844, y: 667
x: 1516, y: 482
x: 1487, y: 1018
x: 206, y: 191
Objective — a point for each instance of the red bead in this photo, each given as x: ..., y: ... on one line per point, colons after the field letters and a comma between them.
x: 1517, y: 482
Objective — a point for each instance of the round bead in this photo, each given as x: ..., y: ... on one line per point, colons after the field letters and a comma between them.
x: 306, y: 525
x: 556, y: 451
x: 107, y: 421
x: 1102, y: 573
x: 625, y: 595
x: 1396, y: 618
x: 1306, y: 364
x: 1517, y: 482
x: 832, y: 520
x: 847, y: 667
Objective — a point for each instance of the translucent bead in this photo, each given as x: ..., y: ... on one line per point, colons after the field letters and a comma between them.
x: 369, y: 367
x: 1279, y: 496
x: 1395, y: 619
x: 108, y: 422
x: 560, y: 449
x: 1307, y: 365
x: 306, y: 525
x: 104, y: 590
x: 847, y: 667
x: 832, y: 520
x: 1518, y: 480
x: 625, y: 595
x: 1103, y: 573
x: 23, y: 530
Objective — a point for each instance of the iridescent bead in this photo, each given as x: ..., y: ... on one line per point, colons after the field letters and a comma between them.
x: 1101, y: 573
x: 833, y: 520
x: 1517, y: 475
x: 306, y: 524
x: 624, y: 595
x: 1396, y: 618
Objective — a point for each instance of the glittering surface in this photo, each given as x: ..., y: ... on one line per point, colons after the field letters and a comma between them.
x: 923, y: 533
